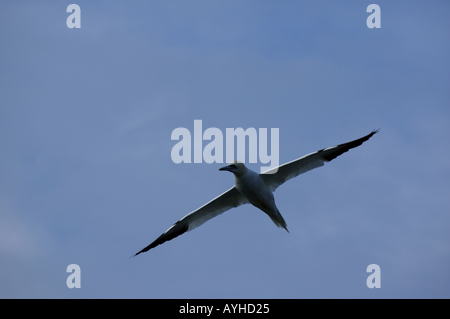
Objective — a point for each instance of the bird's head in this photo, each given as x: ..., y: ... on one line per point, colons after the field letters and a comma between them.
x: 236, y: 167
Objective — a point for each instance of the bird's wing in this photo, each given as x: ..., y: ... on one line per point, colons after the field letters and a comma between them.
x: 277, y: 176
x: 231, y: 198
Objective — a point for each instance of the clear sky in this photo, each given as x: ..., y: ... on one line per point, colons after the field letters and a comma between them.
x: 86, y: 175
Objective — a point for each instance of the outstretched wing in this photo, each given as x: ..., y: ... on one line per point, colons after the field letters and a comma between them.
x: 231, y: 198
x: 277, y: 176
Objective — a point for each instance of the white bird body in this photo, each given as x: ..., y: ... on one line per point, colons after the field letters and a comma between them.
x: 256, y: 189
x: 251, y: 185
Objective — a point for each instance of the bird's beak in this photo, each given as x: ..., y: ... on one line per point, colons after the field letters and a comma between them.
x: 225, y: 168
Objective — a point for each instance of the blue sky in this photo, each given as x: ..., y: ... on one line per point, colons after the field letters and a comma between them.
x: 86, y: 175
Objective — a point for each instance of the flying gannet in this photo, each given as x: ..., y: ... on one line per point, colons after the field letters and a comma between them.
x: 256, y: 189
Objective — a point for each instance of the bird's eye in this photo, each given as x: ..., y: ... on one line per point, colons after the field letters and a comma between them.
x: 233, y: 166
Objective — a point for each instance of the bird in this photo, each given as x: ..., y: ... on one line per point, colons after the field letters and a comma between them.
x: 256, y: 189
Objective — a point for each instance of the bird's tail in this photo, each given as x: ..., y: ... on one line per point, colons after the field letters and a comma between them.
x: 279, y: 220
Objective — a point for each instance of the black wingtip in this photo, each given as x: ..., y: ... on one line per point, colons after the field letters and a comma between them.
x: 132, y: 256
x: 152, y: 245
x: 342, y: 148
x: 371, y: 134
x: 365, y: 138
x: 165, y: 237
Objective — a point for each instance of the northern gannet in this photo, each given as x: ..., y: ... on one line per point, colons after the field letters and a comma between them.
x: 256, y: 189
